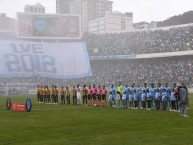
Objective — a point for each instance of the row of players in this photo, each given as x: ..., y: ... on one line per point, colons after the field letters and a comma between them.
x: 90, y: 96
x: 146, y: 97
x: 132, y: 97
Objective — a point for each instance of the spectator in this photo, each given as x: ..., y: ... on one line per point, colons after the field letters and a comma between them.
x: 107, y: 72
x: 141, y: 42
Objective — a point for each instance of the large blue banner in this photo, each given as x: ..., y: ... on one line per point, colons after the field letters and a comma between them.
x: 52, y: 60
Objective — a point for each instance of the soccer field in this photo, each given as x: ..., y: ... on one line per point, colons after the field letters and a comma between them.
x: 74, y: 125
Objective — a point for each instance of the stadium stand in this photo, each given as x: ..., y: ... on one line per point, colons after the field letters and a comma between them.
x: 171, y: 69
x: 175, y: 69
x: 140, y: 42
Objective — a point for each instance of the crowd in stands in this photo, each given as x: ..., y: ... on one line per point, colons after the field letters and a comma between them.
x: 135, y: 42
x: 151, y: 70
x: 107, y: 72
x: 140, y: 42
x: 145, y: 70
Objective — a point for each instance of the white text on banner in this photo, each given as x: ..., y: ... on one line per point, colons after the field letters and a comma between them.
x: 52, y: 60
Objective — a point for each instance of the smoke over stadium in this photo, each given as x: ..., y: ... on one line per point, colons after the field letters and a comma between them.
x: 80, y: 54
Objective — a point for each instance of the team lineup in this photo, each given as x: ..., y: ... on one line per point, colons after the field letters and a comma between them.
x: 174, y: 98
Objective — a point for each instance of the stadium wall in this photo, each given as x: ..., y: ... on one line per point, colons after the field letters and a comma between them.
x: 143, y: 56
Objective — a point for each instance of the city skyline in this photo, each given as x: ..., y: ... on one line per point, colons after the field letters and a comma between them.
x: 146, y: 10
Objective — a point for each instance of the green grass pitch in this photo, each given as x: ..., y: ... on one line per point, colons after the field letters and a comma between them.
x: 75, y: 125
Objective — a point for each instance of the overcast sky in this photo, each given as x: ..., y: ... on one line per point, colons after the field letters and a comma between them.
x: 143, y: 10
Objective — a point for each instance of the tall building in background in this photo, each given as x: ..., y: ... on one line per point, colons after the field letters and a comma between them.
x: 7, y: 27
x: 37, y: 8
x: 62, y: 6
x: 113, y: 22
x: 90, y: 10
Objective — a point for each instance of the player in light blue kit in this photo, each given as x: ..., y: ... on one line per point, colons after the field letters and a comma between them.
x: 139, y: 92
x: 173, y: 100
x: 112, y: 92
x: 143, y: 99
x: 118, y: 98
x: 124, y: 100
x: 164, y: 100
x: 126, y: 89
x: 145, y: 88
x: 168, y: 92
x: 131, y: 100
x: 157, y: 99
x: 148, y: 100
x: 159, y: 86
x: 132, y: 88
x: 135, y: 99
x: 152, y: 94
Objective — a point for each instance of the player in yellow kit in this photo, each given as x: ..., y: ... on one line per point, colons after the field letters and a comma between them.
x: 74, y: 94
x: 68, y: 95
x: 62, y: 93
x: 41, y: 94
x: 38, y: 93
x: 56, y: 94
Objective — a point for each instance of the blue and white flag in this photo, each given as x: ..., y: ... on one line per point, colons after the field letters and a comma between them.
x: 52, y: 60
